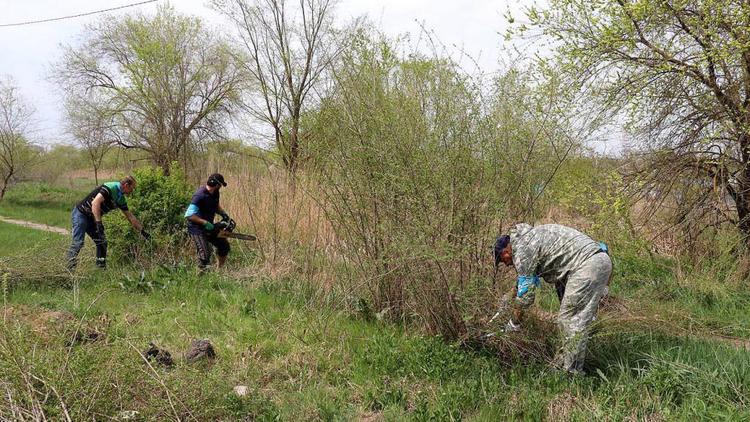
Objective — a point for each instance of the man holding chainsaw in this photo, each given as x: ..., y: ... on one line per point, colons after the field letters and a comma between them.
x: 579, y: 267
x: 200, y: 221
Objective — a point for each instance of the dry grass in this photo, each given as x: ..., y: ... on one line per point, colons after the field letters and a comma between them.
x: 294, y: 235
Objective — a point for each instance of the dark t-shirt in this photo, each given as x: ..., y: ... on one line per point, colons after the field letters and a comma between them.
x: 207, y: 204
x: 113, y: 198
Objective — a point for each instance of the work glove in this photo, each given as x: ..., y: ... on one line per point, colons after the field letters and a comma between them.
x: 209, y: 226
x: 511, y: 327
x: 145, y: 234
x: 224, y: 216
x: 100, y: 229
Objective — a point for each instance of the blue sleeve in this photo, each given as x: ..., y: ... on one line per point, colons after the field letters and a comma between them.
x: 526, y: 293
x: 191, y: 210
x: 526, y: 261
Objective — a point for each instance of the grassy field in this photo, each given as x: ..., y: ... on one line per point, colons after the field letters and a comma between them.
x: 304, y: 361
x: 70, y: 346
x: 41, y: 203
x: 17, y: 240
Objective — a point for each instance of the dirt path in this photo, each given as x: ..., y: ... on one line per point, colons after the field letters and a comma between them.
x: 36, y: 226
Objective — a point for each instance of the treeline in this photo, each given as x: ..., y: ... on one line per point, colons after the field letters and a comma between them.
x: 167, y: 84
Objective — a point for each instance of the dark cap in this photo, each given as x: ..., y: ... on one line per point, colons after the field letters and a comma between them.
x: 500, y: 243
x: 216, y: 179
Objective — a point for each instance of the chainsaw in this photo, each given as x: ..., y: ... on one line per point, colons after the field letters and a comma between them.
x: 225, y: 229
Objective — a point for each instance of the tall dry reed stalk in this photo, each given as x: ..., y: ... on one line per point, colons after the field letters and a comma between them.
x: 294, y: 235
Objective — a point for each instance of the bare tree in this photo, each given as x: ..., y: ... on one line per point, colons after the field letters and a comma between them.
x: 287, y: 52
x: 16, y: 154
x: 93, y: 127
x: 166, y: 82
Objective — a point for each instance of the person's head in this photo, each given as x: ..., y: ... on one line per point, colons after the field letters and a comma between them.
x: 215, y: 182
x: 127, y: 185
x: 502, y: 251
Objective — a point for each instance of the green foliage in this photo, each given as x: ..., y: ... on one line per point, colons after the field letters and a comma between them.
x: 255, y: 406
x: 58, y: 160
x: 653, y: 65
x: 302, y: 362
x: 418, y: 166
x: 159, y: 202
x: 32, y: 257
x: 385, y: 395
x: 593, y: 187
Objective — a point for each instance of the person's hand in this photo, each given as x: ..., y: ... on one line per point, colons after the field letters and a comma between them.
x: 221, y: 225
x: 209, y: 226
x: 224, y: 216
x: 100, y: 228
x: 145, y: 234
x: 511, y: 327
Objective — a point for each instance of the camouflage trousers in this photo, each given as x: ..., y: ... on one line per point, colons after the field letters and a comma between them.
x: 583, y: 291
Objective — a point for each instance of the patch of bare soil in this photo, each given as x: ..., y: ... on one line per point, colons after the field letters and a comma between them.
x: 46, y: 323
x: 371, y: 417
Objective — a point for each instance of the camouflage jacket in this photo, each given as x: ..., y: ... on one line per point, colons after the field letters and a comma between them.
x: 550, y: 251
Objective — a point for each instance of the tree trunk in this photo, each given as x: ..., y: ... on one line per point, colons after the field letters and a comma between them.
x: 163, y: 162
x: 293, y: 149
x: 742, y: 202
x: 6, y: 180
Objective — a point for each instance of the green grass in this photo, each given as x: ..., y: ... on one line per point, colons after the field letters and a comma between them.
x: 18, y: 240
x: 305, y: 362
x: 42, y: 203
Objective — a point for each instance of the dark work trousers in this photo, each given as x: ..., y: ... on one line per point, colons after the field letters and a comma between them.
x: 202, y: 241
x: 82, y: 225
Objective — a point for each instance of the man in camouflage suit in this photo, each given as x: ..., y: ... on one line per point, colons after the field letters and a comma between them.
x: 579, y: 267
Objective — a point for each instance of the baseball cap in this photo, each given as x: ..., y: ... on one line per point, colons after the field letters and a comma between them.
x: 500, y: 243
x: 217, y: 178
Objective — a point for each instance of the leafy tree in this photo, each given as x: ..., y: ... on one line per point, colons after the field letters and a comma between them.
x: 679, y: 71
x: 57, y: 160
x: 164, y: 83
x: 16, y: 153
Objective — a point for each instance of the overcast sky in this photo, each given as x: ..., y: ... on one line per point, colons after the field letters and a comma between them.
x: 26, y: 52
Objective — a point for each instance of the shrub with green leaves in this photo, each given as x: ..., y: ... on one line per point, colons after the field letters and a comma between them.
x: 159, y: 201
x: 417, y: 169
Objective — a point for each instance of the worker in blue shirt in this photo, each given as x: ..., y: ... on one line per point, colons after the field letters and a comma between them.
x: 200, y: 221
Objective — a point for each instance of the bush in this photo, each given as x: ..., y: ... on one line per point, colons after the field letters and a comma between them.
x: 416, y: 170
x: 159, y: 201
